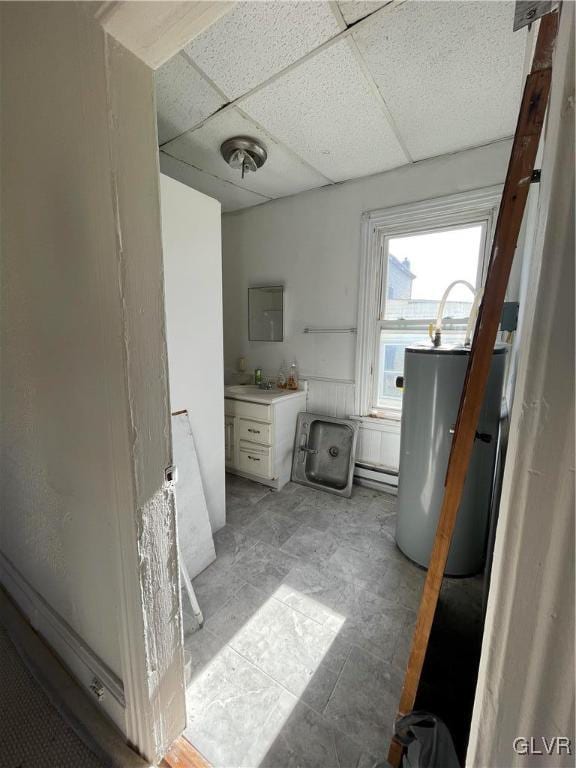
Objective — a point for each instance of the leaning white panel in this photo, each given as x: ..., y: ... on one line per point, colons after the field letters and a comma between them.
x: 195, y: 541
x: 460, y: 86
x: 325, y: 111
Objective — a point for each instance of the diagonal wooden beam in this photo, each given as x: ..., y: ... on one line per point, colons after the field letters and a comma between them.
x: 512, y: 205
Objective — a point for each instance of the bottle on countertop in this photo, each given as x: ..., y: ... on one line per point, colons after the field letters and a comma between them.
x: 282, y: 380
x: 258, y: 376
x: 293, y: 376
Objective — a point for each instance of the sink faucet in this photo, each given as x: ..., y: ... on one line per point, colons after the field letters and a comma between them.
x: 265, y: 385
x: 308, y: 450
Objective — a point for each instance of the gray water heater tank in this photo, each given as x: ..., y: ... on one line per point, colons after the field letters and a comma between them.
x: 433, y: 381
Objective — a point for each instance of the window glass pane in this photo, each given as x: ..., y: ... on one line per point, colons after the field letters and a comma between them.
x: 421, y: 267
x: 392, y: 346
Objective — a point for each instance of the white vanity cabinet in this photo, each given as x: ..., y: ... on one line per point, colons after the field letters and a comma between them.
x: 259, y: 432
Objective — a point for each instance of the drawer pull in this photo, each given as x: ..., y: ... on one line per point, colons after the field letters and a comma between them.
x: 254, y: 431
x: 253, y: 458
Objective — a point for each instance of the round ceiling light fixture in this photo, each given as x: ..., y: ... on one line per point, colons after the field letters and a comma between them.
x: 244, y: 153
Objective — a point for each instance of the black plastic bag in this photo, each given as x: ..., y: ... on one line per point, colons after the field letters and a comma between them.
x: 427, y: 741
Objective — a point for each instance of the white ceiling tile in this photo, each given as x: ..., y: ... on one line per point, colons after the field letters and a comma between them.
x: 354, y: 10
x: 232, y: 198
x: 257, y: 39
x: 282, y: 173
x: 450, y: 72
x: 183, y: 98
x: 326, y: 113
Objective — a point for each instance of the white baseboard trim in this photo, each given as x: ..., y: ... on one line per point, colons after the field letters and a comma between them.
x: 379, y: 478
x: 76, y: 655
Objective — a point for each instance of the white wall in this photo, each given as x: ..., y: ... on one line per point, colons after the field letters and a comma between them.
x: 311, y: 244
x: 191, y: 234
x: 88, y: 521
x: 526, y: 676
x: 58, y: 523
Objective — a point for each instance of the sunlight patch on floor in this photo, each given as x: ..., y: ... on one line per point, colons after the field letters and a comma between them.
x: 252, y: 684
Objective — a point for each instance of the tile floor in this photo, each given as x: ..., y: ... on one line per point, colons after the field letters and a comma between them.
x: 309, y: 609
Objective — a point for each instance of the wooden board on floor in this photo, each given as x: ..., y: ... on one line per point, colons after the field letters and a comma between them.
x: 513, y: 203
x: 183, y: 755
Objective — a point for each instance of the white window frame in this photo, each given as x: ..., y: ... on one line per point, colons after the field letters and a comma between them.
x: 475, y: 207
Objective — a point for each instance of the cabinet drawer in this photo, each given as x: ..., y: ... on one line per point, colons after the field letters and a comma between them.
x: 255, y: 431
x: 247, y: 410
x: 255, y: 459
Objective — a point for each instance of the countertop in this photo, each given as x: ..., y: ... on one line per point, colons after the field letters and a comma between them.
x: 253, y: 394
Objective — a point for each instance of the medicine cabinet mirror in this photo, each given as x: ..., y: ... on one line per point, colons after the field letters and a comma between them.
x: 266, y: 313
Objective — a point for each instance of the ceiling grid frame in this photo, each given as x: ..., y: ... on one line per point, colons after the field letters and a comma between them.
x: 210, y: 82
x: 465, y: 73
x: 229, y: 105
x: 276, y: 76
x: 258, y: 39
x: 303, y: 154
x: 368, y: 75
x: 326, y: 111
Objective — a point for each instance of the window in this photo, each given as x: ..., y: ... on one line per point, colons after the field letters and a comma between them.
x: 412, y: 254
x: 419, y: 268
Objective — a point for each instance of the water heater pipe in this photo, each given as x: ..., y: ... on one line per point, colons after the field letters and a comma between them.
x: 472, y: 317
x: 436, y: 327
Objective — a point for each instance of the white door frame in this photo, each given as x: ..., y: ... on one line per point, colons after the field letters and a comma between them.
x: 150, y: 610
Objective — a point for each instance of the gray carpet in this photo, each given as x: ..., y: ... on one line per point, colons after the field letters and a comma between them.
x: 32, y: 732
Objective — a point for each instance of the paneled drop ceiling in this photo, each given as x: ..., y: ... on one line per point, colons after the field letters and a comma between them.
x: 337, y: 91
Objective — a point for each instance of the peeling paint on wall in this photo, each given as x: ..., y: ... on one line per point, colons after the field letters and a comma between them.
x: 158, y: 558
